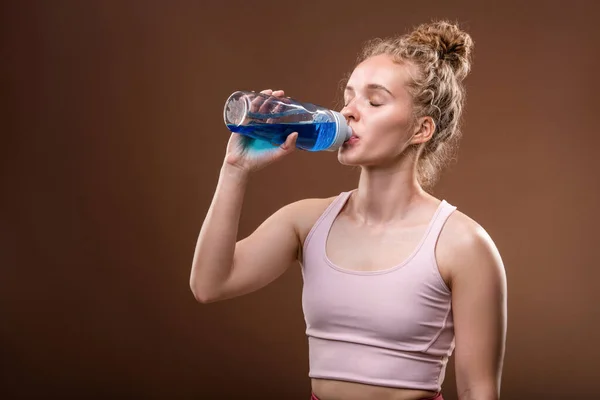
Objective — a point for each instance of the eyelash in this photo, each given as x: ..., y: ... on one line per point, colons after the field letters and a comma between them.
x: 370, y: 103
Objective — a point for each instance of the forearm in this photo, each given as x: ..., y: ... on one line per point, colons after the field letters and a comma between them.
x: 215, y: 247
x: 482, y: 392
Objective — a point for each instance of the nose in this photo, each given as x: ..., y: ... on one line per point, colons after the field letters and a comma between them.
x: 349, y: 112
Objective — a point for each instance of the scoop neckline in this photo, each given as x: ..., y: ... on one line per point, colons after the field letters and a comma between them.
x: 380, y: 271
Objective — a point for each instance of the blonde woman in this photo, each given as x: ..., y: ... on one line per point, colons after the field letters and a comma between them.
x: 395, y: 280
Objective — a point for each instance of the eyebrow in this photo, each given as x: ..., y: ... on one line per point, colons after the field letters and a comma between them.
x: 371, y: 86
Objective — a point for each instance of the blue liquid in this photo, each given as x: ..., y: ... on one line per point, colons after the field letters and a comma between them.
x: 315, y: 136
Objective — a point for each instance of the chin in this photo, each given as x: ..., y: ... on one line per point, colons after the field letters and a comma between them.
x: 349, y: 163
x: 351, y: 158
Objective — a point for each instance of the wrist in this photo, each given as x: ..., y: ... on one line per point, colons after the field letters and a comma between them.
x: 230, y: 171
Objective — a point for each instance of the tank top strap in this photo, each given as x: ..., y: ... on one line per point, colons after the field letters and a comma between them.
x: 333, y: 209
x: 322, y: 225
x: 437, y: 224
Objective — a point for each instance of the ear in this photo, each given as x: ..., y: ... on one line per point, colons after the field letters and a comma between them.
x: 424, y: 129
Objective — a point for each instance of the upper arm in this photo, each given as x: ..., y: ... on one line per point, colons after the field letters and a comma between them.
x: 272, y: 248
x: 264, y: 255
x: 479, y: 303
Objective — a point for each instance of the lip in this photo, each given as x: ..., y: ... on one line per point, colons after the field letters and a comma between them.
x: 353, y: 139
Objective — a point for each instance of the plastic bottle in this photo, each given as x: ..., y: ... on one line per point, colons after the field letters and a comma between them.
x: 272, y: 119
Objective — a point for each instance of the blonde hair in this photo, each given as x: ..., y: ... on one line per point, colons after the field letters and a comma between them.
x: 441, y: 53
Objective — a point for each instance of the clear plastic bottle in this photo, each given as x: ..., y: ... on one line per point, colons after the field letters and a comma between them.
x: 272, y: 119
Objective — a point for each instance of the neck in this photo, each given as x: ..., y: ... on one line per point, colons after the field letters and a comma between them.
x: 387, y: 194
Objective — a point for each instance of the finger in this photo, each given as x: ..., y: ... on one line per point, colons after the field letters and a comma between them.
x: 267, y: 106
x: 285, y: 148
x: 280, y: 95
x: 290, y: 142
x: 257, y: 101
x: 275, y: 110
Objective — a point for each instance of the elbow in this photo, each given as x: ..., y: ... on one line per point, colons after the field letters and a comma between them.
x: 203, y: 299
x: 202, y: 295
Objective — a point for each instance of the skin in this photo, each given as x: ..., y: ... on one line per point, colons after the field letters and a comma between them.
x: 378, y: 227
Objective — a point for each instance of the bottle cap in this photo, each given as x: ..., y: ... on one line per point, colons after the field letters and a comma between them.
x: 343, y: 132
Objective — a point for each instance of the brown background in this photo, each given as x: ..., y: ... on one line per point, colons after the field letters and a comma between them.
x: 112, y: 139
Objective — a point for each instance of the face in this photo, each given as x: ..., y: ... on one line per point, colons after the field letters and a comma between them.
x: 379, y: 110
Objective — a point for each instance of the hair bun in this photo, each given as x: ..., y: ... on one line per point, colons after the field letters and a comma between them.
x: 450, y: 43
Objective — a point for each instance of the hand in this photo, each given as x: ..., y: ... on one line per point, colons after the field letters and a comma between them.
x: 239, y: 153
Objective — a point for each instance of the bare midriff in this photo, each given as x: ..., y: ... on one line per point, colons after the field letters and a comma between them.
x: 326, y: 389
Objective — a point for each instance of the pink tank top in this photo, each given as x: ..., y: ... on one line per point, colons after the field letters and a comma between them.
x: 388, y: 328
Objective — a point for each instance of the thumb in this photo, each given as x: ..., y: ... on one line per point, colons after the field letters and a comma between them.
x: 286, y: 147
x: 290, y: 142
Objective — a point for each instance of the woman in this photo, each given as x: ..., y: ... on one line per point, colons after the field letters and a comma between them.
x: 395, y: 280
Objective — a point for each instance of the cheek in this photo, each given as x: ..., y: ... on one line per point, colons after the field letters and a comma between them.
x: 392, y: 125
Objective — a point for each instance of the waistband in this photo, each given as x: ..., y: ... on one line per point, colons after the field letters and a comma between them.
x: 436, y: 397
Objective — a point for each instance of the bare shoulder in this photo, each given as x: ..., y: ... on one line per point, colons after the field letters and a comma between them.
x: 464, y: 246
x: 305, y: 213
